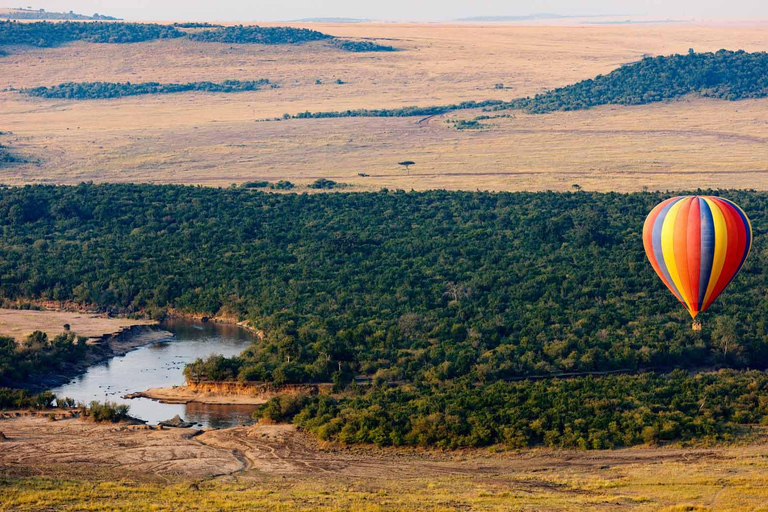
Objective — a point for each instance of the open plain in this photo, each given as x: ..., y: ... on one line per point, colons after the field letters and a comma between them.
x: 72, y: 464
x: 220, y: 139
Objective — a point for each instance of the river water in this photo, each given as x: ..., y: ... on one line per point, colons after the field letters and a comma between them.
x: 161, y: 364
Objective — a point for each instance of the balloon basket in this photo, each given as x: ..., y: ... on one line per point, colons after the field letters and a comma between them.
x: 696, y: 325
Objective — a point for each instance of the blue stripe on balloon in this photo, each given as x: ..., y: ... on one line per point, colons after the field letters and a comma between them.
x: 707, y: 249
x: 657, y: 252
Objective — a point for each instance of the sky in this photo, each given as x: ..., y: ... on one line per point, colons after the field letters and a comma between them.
x: 398, y: 10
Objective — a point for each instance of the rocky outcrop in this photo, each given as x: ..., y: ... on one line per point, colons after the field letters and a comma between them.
x: 176, y: 422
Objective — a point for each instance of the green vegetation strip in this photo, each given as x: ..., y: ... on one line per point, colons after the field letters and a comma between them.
x: 724, y: 75
x: 104, y: 90
x: 585, y: 413
x: 449, y: 297
x: 261, y: 35
x: 42, y: 14
x: 46, y: 34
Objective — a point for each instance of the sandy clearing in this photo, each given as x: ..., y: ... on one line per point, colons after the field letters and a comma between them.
x: 185, y: 395
x: 18, y: 323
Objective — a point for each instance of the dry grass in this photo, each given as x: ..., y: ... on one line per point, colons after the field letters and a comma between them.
x: 20, y: 323
x: 216, y: 139
x: 76, y: 465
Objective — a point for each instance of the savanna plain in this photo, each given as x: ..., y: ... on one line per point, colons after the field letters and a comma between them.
x: 202, y: 138
x: 491, y: 340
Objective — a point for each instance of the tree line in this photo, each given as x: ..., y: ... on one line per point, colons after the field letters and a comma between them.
x: 42, y: 14
x: 726, y: 75
x: 46, y: 34
x: 584, y: 413
x: 245, y: 34
x: 104, y: 90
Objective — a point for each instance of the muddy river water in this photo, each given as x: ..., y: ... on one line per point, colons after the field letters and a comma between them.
x: 161, y: 364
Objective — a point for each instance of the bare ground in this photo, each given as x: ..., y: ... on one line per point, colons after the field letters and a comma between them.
x: 185, y: 395
x: 279, y: 457
x: 18, y: 323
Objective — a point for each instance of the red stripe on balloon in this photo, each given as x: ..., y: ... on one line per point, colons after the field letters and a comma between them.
x: 680, y: 241
x: 694, y: 252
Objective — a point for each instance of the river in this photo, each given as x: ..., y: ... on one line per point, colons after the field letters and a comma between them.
x: 161, y: 364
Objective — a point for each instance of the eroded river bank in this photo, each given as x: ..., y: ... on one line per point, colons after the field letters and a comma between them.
x: 160, y: 363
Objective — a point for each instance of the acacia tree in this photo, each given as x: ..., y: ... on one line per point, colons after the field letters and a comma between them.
x: 406, y: 164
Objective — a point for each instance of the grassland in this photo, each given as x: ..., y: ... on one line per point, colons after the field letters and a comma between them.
x: 221, y: 139
x: 71, y: 464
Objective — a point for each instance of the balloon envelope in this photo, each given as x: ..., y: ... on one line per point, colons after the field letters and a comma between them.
x: 697, y: 245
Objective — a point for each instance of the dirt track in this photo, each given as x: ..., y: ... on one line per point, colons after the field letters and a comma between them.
x: 281, y: 449
x: 277, y: 458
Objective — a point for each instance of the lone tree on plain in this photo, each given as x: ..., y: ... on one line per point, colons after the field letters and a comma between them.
x: 406, y: 164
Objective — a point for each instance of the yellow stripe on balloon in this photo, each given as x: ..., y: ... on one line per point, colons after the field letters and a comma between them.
x: 721, y: 246
x: 668, y: 250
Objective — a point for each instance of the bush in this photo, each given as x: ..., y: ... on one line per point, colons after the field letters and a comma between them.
x: 282, y: 185
x: 323, y: 183
x: 362, y: 46
x: 282, y: 408
x: 104, y: 412
x: 255, y: 184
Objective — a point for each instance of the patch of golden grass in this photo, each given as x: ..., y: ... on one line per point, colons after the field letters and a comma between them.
x: 216, y: 139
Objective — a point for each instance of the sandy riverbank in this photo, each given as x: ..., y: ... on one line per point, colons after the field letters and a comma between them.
x: 186, y: 395
x: 106, y: 336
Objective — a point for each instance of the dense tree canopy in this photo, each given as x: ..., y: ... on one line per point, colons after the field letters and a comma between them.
x: 103, y: 90
x: 46, y: 34
x: 429, y: 286
x: 261, y: 35
x: 37, y: 355
x: 587, y: 412
x: 726, y: 75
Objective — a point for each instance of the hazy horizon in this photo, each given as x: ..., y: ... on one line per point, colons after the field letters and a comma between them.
x: 426, y: 10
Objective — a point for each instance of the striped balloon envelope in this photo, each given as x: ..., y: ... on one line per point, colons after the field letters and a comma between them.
x: 697, y: 245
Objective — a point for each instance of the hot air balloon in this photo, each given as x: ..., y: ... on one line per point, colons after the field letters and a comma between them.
x: 697, y: 245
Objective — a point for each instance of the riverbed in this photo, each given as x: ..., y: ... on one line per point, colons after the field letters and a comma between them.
x: 161, y: 364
